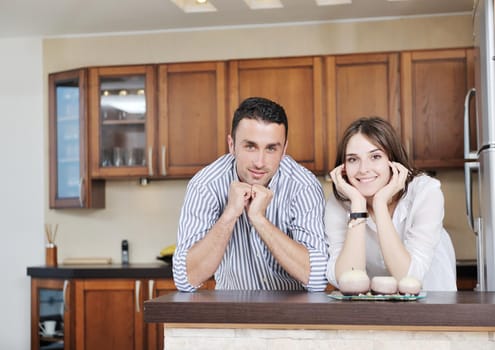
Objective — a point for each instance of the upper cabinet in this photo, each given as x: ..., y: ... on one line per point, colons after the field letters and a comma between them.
x: 130, y: 139
x: 433, y: 87
x: 358, y: 86
x: 296, y: 84
x: 70, y: 182
x: 123, y: 121
x: 170, y: 120
x: 192, y: 125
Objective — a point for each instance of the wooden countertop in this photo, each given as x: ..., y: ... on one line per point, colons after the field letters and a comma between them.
x: 453, y: 310
x: 151, y: 270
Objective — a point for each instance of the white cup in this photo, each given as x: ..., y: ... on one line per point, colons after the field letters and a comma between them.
x: 47, y: 328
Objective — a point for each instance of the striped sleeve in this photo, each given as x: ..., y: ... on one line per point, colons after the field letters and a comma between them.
x: 308, y: 229
x: 198, y: 215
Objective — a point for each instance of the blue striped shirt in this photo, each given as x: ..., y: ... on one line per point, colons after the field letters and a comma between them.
x: 297, y: 209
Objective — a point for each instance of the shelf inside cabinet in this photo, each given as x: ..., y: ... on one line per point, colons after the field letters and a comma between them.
x: 71, y: 118
x: 124, y: 122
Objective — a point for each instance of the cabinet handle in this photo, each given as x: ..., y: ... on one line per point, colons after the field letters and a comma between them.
x: 64, y: 294
x: 138, y: 292
x: 164, y: 165
x: 151, y: 287
x: 150, y: 161
x: 81, y: 192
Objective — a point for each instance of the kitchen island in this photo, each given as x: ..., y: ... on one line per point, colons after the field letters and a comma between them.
x: 292, y: 320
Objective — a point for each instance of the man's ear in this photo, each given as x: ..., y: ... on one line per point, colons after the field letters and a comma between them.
x: 230, y: 142
x: 285, y: 147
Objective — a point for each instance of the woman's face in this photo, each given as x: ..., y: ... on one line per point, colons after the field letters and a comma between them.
x: 366, y: 165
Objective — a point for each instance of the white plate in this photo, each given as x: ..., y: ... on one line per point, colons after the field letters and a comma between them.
x: 390, y: 297
x: 57, y: 334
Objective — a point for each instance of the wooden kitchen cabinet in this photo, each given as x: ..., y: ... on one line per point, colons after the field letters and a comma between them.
x: 433, y: 87
x: 70, y: 183
x: 109, y: 314
x: 170, y: 120
x: 130, y: 140
x: 192, y: 126
x: 52, y: 299
x: 294, y: 83
x: 100, y: 312
x: 123, y: 121
x: 357, y: 86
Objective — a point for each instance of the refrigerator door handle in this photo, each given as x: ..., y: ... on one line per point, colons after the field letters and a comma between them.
x: 480, y: 257
x: 468, y: 154
x: 468, y: 183
x: 475, y: 224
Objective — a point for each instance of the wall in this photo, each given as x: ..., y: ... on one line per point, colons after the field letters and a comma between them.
x: 21, y: 183
x: 147, y: 217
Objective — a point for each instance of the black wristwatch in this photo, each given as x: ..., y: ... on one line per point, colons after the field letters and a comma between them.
x: 358, y: 215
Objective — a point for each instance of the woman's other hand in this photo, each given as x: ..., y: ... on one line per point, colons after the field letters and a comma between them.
x: 394, y: 186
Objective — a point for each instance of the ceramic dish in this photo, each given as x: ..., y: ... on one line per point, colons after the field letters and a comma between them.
x: 392, y: 297
x: 57, y: 334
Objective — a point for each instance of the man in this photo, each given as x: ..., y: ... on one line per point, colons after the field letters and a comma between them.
x: 254, y: 217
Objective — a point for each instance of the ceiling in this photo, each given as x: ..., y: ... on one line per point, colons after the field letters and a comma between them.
x: 48, y: 18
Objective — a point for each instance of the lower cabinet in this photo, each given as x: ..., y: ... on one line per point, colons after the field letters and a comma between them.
x: 109, y: 314
x: 94, y: 314
x: 51, y: 303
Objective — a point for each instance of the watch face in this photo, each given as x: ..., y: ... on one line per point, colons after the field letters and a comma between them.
x: 359, y: 215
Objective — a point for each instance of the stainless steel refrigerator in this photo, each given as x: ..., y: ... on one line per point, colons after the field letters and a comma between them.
x: 479, y: 152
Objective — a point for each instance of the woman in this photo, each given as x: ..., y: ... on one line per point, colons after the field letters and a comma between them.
x: 386, y: 217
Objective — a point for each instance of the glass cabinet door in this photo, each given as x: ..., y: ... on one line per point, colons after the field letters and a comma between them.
x: 51, y: 320
x: 121, y: 108
x: 70, y: 186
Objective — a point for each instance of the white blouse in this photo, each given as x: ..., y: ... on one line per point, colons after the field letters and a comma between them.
x: 418, y: 219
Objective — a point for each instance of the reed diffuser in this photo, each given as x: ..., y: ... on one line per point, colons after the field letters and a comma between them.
x: 51, y: 247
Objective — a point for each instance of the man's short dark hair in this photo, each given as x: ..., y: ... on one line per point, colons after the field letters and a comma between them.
x: 262, y: 109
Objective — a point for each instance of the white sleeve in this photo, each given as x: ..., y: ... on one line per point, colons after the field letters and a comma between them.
x: 336, y: 229
x: 424, y: 226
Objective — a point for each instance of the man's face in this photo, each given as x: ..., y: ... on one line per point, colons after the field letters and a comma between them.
x: 258, y: 149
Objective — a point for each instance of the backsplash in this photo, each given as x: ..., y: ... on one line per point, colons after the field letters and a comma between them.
x: 147, y: 217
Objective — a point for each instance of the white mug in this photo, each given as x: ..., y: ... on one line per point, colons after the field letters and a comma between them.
x: 48, y: 327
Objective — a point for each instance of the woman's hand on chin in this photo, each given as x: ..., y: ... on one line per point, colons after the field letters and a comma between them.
x: 358, y: 202
x: 395, y: 185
